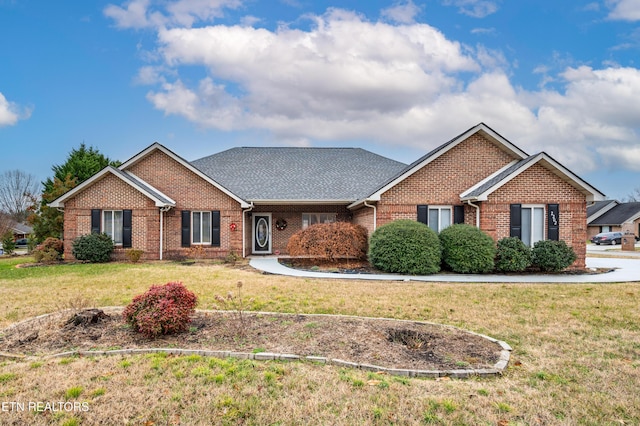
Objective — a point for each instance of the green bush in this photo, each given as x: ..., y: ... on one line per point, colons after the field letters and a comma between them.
x: 95, y: 248
x: 552, y: 256
x: 467, y: 250
x: 512, y: 255
x: 405, y: 247
x: 8, y: 244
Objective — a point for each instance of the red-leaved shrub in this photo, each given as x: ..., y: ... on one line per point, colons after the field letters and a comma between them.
x: 331, y: 241
x: 163, y: 309
x: 49, y: 251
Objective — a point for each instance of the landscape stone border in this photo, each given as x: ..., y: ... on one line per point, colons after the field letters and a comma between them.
x: 497, y: 369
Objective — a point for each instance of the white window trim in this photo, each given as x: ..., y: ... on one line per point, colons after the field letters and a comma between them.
x: 439, y: 208
x: 201, y: 242
x: 544, y: 219
x: 112, y: 232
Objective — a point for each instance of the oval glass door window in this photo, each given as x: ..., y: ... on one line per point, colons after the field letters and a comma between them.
x: 262, y: 232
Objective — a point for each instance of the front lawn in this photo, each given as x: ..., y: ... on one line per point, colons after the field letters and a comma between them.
x: 576, y: 357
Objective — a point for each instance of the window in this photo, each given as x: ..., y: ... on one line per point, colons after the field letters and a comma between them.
x: 201, y: 228
x: 313, y: 218
x: 112, y: 225
x: 440, y: 217
x: 605, y: 229
x: 532, y: 224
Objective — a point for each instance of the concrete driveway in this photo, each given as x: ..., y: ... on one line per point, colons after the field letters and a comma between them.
x: 621, y: 270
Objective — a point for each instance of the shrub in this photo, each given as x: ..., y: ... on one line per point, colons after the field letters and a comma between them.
x: 330, y: 241
x: 467, y: 250
x: 406, y: 247
x: 552, y: 256
x: 134, y: 255
x: 512, y: 255
x: 8, y: 244
x: 95, y: 248
x: 163, y: 309
x: 49, y: 251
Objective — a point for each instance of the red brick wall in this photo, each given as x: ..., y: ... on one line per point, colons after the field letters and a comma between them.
x: 443, y: 180
x: 537, y: 185
x: 187, y: 189
x: 293, y: 215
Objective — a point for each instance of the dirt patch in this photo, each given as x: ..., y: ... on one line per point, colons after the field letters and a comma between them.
x: 386, y: 343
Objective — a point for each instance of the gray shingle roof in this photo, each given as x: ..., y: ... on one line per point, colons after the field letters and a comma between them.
x: 597, y: 206
x: 301, y: 174
x: 618, y: 215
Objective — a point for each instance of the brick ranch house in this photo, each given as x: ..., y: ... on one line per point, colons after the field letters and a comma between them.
x: 250, y: 201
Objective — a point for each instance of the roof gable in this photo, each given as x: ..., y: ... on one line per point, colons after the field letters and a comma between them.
x: 482, y: 191
x: 158, y: 147
x: 482, y: 129
x: 160, y: 199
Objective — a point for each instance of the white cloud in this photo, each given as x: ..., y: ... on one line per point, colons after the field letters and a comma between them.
x: 402, y: 13
x: 347, y: 78
x: 10, y: 112
x: 624, y: 10
x: 474, y: 8
x: 144, y: 14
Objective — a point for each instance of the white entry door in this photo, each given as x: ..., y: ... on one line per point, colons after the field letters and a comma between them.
x: 261, y: 233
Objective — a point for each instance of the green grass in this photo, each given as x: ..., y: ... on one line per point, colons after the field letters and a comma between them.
x: 576, y: 357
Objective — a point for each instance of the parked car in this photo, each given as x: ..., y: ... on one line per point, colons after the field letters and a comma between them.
x: 21, y: 243
x: 612, y: 238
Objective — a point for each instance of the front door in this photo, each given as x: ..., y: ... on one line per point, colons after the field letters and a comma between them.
x: 261, y: 233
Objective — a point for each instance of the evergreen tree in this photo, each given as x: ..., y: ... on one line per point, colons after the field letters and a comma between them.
x: 81, y: 164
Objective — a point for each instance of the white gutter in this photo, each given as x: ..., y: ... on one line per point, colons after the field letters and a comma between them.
x: 162, y: 210
x: 375, y: 214
x: 244, y: 254
x: 477, y: 212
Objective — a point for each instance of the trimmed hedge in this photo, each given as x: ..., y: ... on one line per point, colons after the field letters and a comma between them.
x: 552, y: 256
x: 512, y: 255
x: 405, y: 247
x: 330, y: 241
x: 95, y: 248
x: 467, y: 250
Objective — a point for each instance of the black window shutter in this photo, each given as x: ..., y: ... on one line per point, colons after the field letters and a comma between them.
x: 126, y: 228
x: 215, y: 228
x: 95, y: 221
x: 423, y: 211
x: 186, y: 228
x: 515, y: 221
x: 553, y: 222
x: 458, y: 214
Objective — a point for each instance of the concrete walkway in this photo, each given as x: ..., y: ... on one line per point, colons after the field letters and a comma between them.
x: 623, y: 270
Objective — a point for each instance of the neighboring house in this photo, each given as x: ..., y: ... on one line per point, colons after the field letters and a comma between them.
x: 609, y: 215
x: 21, y: 230
x: 251, y: 200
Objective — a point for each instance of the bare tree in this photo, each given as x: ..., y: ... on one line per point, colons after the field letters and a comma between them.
x: 634, y: 196
x: 17, y: 191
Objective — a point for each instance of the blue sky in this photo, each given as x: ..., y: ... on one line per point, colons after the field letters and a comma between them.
x: 398, y: 78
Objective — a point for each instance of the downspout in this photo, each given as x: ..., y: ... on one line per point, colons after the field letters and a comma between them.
x: 162, y: 210
x: 375, y: 214
x: 477, y: 207
x: 244, y: 236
